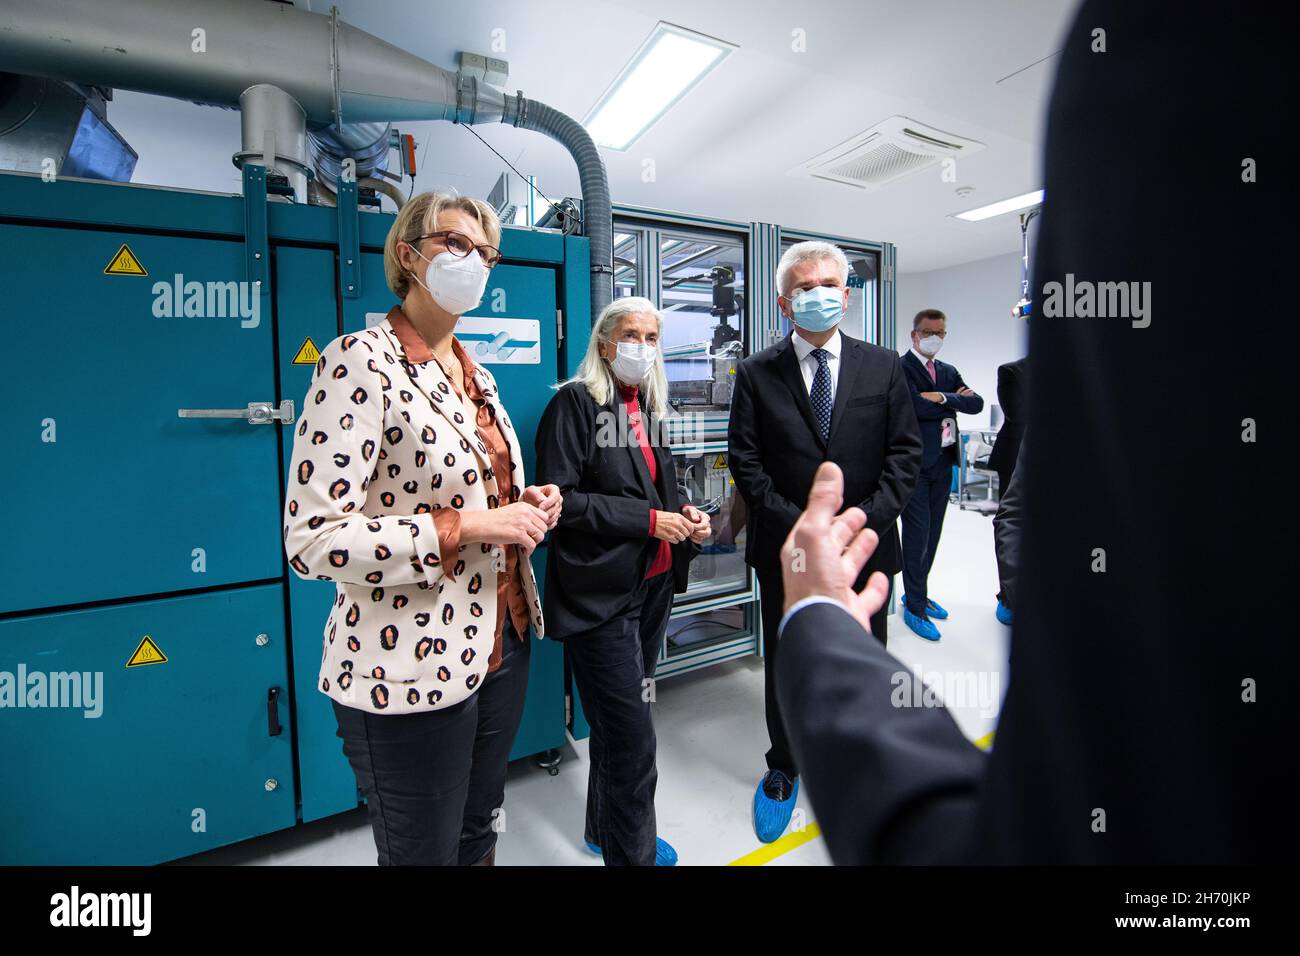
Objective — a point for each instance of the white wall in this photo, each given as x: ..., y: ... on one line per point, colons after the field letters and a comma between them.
x: 977, y: 298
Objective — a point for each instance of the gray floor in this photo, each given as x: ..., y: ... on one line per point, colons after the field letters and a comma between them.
x: 711, y: 743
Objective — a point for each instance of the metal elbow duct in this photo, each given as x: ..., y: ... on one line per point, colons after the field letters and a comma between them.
x: 212, y: 53
x: 366, y: 144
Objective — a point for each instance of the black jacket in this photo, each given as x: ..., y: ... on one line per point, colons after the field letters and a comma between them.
x: 601, y: 547
x: 775, y: 447
x: 930, y: 415
x: 1011, y: 398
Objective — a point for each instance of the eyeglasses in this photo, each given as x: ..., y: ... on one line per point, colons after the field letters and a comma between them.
x: 459, y: 244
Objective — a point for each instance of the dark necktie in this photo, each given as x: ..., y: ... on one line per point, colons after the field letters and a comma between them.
x: 821, y: 393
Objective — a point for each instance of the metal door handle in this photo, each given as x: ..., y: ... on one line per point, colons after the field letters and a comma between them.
x: 273, y: 712
x: 257, y: 413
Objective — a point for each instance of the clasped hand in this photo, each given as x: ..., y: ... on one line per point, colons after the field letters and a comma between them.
x: 691, y: 523
x: 523, y: 522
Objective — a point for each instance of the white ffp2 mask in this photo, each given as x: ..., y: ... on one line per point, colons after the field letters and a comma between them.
x: 456, y: 283
x: 930, y: 345
x: 633, y: 361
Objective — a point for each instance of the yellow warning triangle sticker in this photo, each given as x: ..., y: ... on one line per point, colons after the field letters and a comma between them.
x: 147, y: 653
x: 720, y: 462
x: 308, y: 354
x: 124, y: 263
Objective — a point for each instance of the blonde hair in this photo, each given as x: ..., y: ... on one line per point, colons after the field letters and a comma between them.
x: 418, y: 217
x: 594, y: 372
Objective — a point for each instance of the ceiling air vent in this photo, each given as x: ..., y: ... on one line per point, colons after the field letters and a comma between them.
x: 887, y: 152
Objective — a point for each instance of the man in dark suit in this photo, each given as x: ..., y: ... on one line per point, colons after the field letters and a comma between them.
x: 1137, y: 727
x: 1011, y: 399
x: 817, y: 395
x: 938, y: 394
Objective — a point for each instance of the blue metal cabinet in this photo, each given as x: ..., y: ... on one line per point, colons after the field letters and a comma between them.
x: 133, y: 521
x: 116, y: 496
x: 373, y: 297
x: 307, y: 312
x: 524, y: 292
x: 181, y: 757
x: 542, y: 726
x: 529, y: 292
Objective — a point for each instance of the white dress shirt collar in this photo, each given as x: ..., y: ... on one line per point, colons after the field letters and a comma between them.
x: 803, y: 348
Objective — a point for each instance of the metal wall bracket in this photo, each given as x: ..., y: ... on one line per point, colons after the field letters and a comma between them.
x: 257, y: 250
x: 349, y: 240
x: 334, y: 67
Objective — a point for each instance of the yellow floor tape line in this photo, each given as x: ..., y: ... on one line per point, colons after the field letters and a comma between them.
x: 791, y: 841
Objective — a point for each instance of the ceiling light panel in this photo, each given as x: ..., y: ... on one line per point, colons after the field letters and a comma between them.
x: 667, y: 66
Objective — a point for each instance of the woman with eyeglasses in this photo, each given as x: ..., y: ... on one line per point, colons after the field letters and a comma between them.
x: 407, y: 491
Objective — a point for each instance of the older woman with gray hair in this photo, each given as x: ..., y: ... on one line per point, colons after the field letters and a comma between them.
x: 622, y: 547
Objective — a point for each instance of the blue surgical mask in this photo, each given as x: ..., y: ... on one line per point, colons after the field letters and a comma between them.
x: 818, y: 309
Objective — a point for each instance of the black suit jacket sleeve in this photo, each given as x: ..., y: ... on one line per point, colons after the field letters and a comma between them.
x: 745, y: 457
x: 890, y: 781
x: 564, y: 439
x: 923, y: 408
x: 971, y: 404
x: 902, y: 460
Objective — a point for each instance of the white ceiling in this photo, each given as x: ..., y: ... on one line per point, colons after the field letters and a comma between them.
x: 724, y: 150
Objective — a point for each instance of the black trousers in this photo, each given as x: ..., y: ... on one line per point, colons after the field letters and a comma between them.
x: 771, y: 594
x: 1004, y: 482
x: 433, y: 781
x: 922, y: 521
x: 1004, y: 479
x: 612, y: 665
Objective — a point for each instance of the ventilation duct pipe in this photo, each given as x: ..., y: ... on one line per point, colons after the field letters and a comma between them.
x: 212, y: 53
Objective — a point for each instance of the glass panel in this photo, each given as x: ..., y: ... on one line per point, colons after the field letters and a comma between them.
x: 706, y: 482
x: 862, y: 319
x: 703, y: 303
x: 691, y: 632
x: 627, y: 257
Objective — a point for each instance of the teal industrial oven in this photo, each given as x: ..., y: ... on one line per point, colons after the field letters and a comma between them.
x: 157, y: 660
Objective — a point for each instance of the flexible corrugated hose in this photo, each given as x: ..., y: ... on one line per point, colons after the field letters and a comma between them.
x: 597, y: 214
